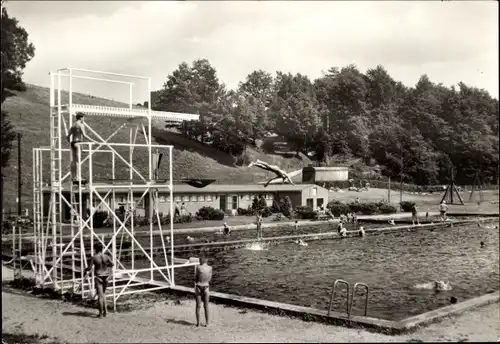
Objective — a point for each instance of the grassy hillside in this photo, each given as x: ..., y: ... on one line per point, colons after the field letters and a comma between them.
x: 29, y: 113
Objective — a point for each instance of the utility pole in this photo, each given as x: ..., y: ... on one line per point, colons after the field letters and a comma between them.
x: 389, y: 191
x: 401, y: 176
x: 19, y: 180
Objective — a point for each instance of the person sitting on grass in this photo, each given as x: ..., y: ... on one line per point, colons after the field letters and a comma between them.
x: 227, y: 229
x: 272, y: 168
x: 340, y: 227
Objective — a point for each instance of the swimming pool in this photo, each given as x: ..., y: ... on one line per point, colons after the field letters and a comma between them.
x: 391, y: 264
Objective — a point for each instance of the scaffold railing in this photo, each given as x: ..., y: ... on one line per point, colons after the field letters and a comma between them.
x: 58, y: 238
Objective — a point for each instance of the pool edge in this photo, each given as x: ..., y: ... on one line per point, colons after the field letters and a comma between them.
x: 378, y: 325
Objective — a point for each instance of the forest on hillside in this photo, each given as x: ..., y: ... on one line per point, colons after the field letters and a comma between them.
x: 420, y: 134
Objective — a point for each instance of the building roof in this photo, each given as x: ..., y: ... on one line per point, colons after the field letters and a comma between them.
x: 215, y: 188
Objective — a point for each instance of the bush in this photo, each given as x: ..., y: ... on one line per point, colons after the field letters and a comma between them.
x: 368, y: 208
x: 386, y: 208
x: 338, y: 208
x: 305, y: 213
x: 209, y: 213
x: 406, y: 205
x: 183, y: 219
x: 268, y: 146
x: 99, y: 218
x: 266, y: 212
x: 275, y: 208
x: 286, y: 206
x: 246, y: 212
x: 259, y: 203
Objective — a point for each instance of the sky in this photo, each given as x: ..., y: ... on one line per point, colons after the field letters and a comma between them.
x: 450, y: 41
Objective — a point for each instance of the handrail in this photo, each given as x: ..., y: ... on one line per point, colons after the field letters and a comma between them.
x: 354, y: 293
x: 333, y: 295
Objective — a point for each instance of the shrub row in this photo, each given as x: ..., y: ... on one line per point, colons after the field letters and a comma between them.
x: 209, y: 213
x: 367, y: 208
x: 101, y: 219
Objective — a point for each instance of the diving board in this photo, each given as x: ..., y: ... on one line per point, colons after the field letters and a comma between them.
x: 95, y: 110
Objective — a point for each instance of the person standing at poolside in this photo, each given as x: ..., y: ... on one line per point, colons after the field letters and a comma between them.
x: 443, y: 208
x: 102, y: 264
x: 202, y: 278
x: 258, y: 222
x: 414, y: 214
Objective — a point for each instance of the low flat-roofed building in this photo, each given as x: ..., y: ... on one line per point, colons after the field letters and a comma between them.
x: 226, y: 197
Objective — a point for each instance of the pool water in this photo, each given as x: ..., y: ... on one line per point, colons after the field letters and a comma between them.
x: 390, y: 264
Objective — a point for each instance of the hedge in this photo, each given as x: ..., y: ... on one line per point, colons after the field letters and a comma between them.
x: 209, y: 213
x: 368, y: 208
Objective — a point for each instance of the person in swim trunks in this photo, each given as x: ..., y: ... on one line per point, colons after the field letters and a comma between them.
x: 75, y: 136
x: 102, y: 264
x: 443, y: 208
x: 414, y: 214
x: 202, y: 277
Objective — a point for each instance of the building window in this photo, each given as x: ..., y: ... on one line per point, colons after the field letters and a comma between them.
x: 185, y: 198
x: 193, y: 198
x: 177, y: 198
x: 234, y: 203
x: 168, y: 199
x: 310, y: 203
x: 162, y: 199
x: 319, y: 202
x: 247, y: 197
x: 208, y: 198
x: 315, y: 191
x: 201, y: 198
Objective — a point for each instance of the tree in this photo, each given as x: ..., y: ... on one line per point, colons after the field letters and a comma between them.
x: 286, y: 206
x: 295, y: 112
x: 8, y: 137
x: 16, y: 53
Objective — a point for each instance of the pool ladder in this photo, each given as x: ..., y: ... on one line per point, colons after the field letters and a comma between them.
x: 349, y: 299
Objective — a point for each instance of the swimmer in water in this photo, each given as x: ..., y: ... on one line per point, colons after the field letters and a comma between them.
x: 102, y: 264
x: 301, y: 242
x: 391, y: 221
x: 482, y: 244
x: 296, y: 225
x: 361, y: 231
x: 202, y: 278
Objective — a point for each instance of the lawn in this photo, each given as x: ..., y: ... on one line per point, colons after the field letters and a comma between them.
x: 424, y: 202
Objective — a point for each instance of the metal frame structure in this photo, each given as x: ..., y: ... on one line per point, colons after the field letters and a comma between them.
x: 51, y: 246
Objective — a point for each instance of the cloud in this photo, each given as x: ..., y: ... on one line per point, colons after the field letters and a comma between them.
x: 450, y: 41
